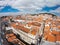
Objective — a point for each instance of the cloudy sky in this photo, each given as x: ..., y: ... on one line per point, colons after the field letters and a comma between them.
x: 30, y: 6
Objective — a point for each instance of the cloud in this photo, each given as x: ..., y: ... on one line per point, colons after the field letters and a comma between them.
x: 56, y: 11
x: 21, y: 4
x: 52, y: 2
x: 30, y: 6
x: 1, y: 8
x: 35, y: 3
x: 10, y: 13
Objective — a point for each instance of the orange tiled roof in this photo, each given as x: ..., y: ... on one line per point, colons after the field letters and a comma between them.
x: 11, y: 37
x: 34, y: 30
x: 34, y: 24
x: 21, y: 27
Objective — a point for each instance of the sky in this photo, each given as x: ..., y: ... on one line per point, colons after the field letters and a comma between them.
x: 29, y: 6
